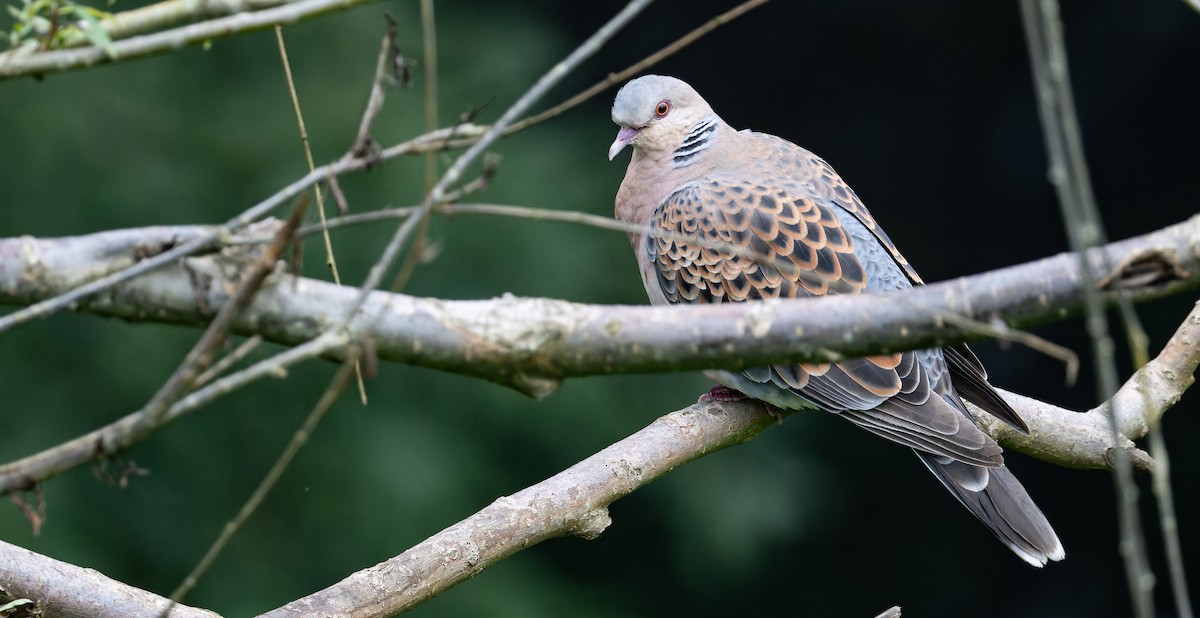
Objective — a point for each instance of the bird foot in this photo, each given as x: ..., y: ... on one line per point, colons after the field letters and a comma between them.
x: 722, y: 393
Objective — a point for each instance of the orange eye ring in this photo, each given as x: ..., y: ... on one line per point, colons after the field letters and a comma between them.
x: 662, y: 109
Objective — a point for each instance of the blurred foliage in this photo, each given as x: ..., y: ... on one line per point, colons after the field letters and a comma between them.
x: 51, y: 24
x: 925, y: 108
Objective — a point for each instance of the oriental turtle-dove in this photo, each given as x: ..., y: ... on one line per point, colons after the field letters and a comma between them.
x: 733, y: 216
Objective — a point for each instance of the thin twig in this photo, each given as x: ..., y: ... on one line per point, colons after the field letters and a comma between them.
x: 416, y: 254
x: 429, y: 40
x: 1168, y: 520
x: 328, y: 398
x: 436, y: 140
x: 436, y: 195
x: 1139, y: 346
x: 417, y: 248
x: 364, y: 144
x: 330, y: 259
x: 1068, y: 174
x: 638, y: 66
x: 201, y: 355
x: 504, y: 210
x: 460, y: 135
x: 543, y: 214
x: 335, y: 188
x: 18, y: 62
x: 36, y: 516
x: 1002, y: 332
x: 229, y: 360
x: 114, y: 438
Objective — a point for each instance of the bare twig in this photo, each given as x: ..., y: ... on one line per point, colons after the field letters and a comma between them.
x: 1068, y: 173
x: 503, y: 210
x: 417, y: 248
x: 19, y: 62
x: 330, y: 259
x: 437, y: 194
x: 364, y: 145
x: 1139, y: 347
x: 1168, y: 521
x: 201, y: 355
x: 35, y: 515
x: 210, y: 238
x: 561, y: 216
x: 339, y: 197
x: 229, y: 360
x: 429, y: 40
x: 638, y: 66
x: 1139, y: 344
x: 115, y: 437
x: 997, y: 330
x: 451, y: 137
x: 331, y: 394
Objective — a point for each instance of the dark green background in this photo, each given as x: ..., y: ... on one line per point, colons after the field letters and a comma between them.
x: 925, y: 108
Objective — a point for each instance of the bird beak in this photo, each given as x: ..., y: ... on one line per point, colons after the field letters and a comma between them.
x: 623, y: 137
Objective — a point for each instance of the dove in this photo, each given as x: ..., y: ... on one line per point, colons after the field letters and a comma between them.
x: 728, y: 216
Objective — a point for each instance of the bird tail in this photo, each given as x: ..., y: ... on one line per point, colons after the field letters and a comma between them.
x: 997, y: 498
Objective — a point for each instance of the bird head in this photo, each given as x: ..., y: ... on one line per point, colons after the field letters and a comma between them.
x: 655, y: 112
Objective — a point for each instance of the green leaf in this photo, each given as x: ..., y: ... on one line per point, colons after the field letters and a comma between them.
x: 94, y: 33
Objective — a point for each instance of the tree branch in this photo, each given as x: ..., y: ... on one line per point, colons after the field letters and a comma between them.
x: 21, y: 61
x: 66, y: 591
x: 532, y: 344
x: 169, y: 12
x: 575, y: 502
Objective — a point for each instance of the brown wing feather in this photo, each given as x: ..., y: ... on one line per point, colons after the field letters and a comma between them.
x: 969, y: 375
x: 790, y: 247
x: 793, y: 247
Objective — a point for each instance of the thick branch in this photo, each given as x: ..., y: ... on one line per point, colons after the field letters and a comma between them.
x: 532, y: 344
x: 67, y: 591
x: 573, y: 502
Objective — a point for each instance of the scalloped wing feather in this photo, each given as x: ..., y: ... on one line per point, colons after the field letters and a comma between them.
x: 727, y: 240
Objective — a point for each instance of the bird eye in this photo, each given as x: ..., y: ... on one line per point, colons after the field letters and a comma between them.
x: 662, y: 108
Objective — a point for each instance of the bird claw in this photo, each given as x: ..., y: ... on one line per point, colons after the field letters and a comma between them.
x: 722, y: 393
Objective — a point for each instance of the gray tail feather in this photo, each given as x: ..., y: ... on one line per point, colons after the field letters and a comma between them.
x: 1003, y: 506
